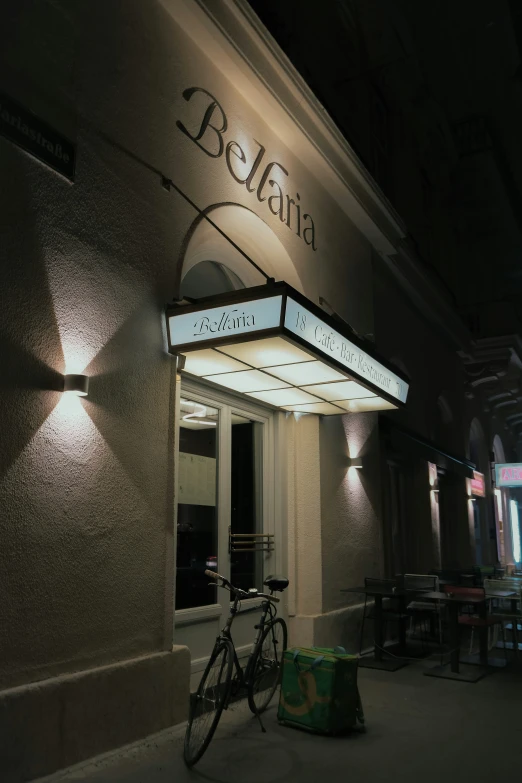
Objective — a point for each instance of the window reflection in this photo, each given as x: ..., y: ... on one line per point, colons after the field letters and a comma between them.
x: 246, y: 494
x: 197, y: 504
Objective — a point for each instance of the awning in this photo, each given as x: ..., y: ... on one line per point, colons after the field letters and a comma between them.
x: 405, y: 441
x: 274, y: 345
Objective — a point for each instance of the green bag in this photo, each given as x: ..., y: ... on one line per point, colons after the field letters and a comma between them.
x: 319, y: 690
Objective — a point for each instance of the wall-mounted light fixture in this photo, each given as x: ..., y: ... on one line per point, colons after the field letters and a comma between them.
x: 355, y: 462
x: 76, y: 384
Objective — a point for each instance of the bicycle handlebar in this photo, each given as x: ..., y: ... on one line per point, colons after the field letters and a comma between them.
x: 216, y: 577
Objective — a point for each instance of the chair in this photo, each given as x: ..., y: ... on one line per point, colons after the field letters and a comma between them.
x: 473, y: 620
x: 483, y: 572
x: 388, y: 612
x: 423, y: 609
x: 513, y: 621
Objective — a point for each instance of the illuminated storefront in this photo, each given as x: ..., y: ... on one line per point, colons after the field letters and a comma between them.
x: 244, y: 431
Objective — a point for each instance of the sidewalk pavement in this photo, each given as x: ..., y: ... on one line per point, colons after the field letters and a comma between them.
x: 418, y: 729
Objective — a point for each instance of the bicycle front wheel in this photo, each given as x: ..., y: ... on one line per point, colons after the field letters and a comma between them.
x: 266, y: 665
x: 206, y: 705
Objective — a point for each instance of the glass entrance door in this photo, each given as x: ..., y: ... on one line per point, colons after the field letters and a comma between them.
x: 225, y: 519
x: 198, y: 491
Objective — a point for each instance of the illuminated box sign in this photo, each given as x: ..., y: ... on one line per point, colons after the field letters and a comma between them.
x: 331, y: 343
x: 478, y: 486
x: 272, y: 344
x: 508, y: 474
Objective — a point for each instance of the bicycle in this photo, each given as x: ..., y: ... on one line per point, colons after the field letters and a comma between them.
x: 260, y: 677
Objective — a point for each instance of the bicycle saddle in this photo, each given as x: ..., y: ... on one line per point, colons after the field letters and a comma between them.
x: 279, y: 583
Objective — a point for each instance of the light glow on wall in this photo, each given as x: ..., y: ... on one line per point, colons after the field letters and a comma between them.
x: 515, y: 530
x: 86, y: 316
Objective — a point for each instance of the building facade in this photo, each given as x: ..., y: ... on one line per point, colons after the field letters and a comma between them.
x: 203, y: 165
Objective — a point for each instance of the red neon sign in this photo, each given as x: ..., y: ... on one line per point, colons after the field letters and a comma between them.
x: 478, y: 486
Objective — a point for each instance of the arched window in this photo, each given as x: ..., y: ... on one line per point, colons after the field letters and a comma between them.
x: 211, y: 264
x: 208, y: 278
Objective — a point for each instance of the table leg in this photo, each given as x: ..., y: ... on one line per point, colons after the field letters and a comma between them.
x: 483, y: 634
x: 514, y: 608
x: 378, y: 660
x: 454, y: 637
x: 471, y: 673
x: 377, y: 628
x: 402, y: 623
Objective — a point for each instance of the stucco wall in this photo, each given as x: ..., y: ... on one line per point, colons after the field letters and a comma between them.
x: 86, y: 486
x: 350, y: 506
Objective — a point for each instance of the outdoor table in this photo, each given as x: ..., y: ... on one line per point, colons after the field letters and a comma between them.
x: 453, y: 602
x: 377, y: 661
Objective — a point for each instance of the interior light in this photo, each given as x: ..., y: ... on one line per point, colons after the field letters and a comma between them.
x: 268, y: 352
x: 322, y: 408
x: 515, y: 531
x: 248, y: 381
x: 347, y: 390
x: 284, y: 397
x: 300, y: 373
x: 355, y: 462
x: 498, y: 498
x: 76, y: 384
x: 368, y: 404
x: 210, y: 362
x: 194, y: 417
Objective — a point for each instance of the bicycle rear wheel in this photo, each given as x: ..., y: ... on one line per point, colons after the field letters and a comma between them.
x: 207, y: 703
x: 266, y: 665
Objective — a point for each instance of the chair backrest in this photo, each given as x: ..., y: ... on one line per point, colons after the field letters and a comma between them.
x: 497, y: 584
x: 509, y: 583
x: 421, y: 582
x: 381, y: 584
x: 479, y: 592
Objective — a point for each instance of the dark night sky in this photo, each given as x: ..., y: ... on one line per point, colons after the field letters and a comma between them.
x: 429, y: 94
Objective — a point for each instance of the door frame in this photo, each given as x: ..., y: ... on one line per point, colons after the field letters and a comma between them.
x: 274, y: 490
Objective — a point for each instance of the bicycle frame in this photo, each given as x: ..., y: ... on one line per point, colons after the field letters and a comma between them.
x: 242, y: 677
